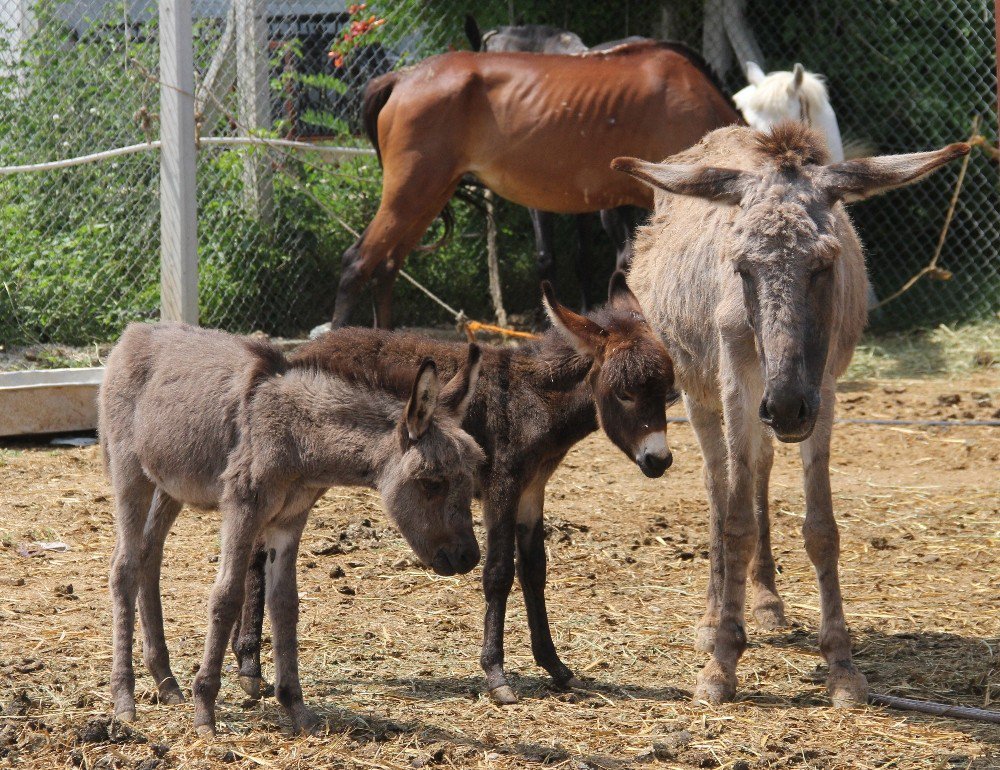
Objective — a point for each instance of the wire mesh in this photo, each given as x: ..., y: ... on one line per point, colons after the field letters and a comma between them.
x: 79, y: 246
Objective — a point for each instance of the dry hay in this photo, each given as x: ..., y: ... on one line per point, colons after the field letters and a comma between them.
x: 390, y: 652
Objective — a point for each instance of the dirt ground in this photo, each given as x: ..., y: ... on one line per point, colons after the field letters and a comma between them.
x: 389, y: 652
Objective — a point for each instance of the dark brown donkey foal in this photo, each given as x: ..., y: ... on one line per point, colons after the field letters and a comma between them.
x: 201, y: 417
x: 531, y: 406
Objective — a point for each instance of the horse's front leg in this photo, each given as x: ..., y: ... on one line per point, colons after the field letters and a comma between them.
x: 846, y: 684
x: 500, y: 515
x: 616, y: 224
x: 717, y: 681
x: 531, y: 573
x: 541, y: 223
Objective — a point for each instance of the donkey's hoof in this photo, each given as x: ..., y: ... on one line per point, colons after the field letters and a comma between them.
x: 770, y: 615
x: 254, y: 686
x: 125, y: 714
x: 503, y: 695
x: 305, y: 721
x: 171, y: 697
x: 205, y: 731
x: 714, y: 686
x: 847, y: 686
x: 572, y: 684
x: 704, y: 639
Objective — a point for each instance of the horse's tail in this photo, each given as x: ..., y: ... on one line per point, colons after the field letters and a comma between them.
x: 447, y: 216
x: 377, y: 93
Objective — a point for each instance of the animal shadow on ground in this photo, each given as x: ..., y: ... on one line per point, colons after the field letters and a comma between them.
x: 925, y: 665
x: 532, y: 687
x: 372, y: 728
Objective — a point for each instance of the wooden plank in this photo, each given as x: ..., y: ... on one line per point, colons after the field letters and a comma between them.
x: 178, y: 212
x: 49, y: 400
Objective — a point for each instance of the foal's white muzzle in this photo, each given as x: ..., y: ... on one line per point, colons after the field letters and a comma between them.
x: 653, y: 455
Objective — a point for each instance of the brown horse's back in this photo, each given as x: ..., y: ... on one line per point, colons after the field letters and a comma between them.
x: 541, y: 130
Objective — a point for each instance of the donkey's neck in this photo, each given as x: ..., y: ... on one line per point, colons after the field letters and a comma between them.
x: 339, y: 433
x: 561, y: 376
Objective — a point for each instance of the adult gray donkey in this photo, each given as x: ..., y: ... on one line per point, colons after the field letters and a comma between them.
x: 752, y: 272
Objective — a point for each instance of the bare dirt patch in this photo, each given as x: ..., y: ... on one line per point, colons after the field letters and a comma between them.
x: 389, y: 652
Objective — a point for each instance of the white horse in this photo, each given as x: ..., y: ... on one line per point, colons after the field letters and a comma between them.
x: 796, y: 95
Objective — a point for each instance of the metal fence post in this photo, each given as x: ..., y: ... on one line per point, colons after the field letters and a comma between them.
x: 178, y: 210
x: 252, y: 67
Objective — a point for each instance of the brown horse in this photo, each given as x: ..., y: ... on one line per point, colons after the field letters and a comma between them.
x: 537, y: 129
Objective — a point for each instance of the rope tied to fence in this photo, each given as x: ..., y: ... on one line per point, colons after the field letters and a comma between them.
x: 931, y: 268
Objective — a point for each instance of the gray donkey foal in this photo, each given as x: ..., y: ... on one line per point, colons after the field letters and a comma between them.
x: 202, y: 417
x: 752, y: 272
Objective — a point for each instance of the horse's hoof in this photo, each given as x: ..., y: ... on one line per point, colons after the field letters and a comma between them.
x: 503, y: 695
x: 847, y: 686
x: 770, y: 616
x: 704, y: 639
x: 572, y: 684
x: 205, y: 731
x: 316, y: 331
x: 253, y: 686
x: 714, y: 686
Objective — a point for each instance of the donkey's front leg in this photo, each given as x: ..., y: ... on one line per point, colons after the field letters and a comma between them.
x: 499, y: 514
x: 717, y: 681
x: 240, y: 525
x: 531, y: 573
x: 707, y: 424
x: 768, y: 609
x: 283, y: 605
x: 847, y: 686
x: 249, y: 627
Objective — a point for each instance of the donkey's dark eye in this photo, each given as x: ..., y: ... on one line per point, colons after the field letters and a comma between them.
x: 820, y: 272
x: 433, y: 487
x: 624, y: 397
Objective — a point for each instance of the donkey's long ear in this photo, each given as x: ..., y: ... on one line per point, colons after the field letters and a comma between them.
x: 754, y: 73
x: 855, y: 180
x: 457, y: 394
x: 727, y: 185
x: 423, y: 400
x: 586, y: 336
x: 620, y: 296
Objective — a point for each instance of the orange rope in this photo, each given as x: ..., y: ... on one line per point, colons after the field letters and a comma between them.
x: 471, y: 327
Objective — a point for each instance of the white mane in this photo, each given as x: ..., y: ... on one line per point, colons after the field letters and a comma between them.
x: 778, y: 96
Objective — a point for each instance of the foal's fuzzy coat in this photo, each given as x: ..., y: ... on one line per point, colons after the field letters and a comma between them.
x: 216, y: 421
x: 531, y: 406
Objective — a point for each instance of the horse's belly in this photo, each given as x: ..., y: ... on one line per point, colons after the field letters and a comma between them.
x: 564, y: 188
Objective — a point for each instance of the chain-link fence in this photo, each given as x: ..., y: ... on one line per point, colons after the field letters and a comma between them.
x: 79, y: 246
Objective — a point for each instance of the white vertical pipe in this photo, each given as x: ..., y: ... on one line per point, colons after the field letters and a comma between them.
x: 178, y: 210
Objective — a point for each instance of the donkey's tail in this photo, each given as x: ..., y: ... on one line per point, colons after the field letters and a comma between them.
x: 377, y: 93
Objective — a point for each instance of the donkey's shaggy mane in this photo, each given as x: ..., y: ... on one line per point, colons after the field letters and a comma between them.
x: 792, y: 144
